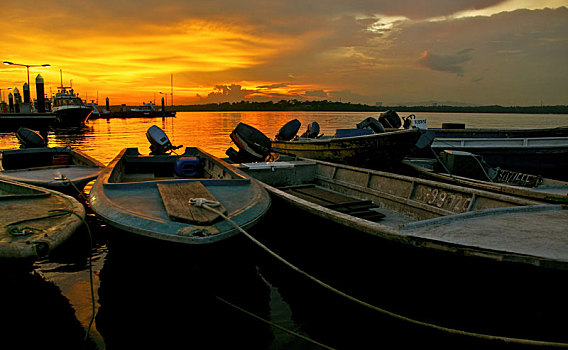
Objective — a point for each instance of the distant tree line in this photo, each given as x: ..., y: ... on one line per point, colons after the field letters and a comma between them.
x: 324, y: 105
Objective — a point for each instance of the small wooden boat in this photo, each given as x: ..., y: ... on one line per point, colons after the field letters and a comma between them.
x: 150, y: 195
x: 58, y: 168
x: 422, y: 212
x: 501, y: 181
x: 34, y: 220
x: 546, y: 156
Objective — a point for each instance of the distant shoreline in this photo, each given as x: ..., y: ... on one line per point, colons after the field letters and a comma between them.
x: 328, y: 106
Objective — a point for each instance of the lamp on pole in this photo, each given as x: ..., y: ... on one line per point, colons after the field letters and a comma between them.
x: 8, y: 63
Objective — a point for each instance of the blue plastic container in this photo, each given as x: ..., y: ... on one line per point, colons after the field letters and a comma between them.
x: 188, y: 167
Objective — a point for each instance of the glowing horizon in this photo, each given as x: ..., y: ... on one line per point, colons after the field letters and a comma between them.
x: 361, y: 53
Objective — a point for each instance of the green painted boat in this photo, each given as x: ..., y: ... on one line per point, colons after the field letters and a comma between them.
x: 422, y: 213
x: 34, y: 220
x: 61, y: 169
x: 150, y: 195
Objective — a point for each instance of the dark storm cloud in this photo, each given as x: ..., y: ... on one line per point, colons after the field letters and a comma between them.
x: 446, y: 63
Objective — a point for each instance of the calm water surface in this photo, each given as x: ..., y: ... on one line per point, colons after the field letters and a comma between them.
x: 158, y: 296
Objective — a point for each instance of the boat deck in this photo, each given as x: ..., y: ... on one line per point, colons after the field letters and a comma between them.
x: 53, y: 173
x: 524, y: 234
x: 361, y: 208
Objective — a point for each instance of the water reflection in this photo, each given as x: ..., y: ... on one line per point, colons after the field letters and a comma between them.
x: 36, y: 315
x: 155, y: 295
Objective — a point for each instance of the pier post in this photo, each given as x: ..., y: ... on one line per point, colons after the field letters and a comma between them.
x: 11, y: 102
x: 40, y: 94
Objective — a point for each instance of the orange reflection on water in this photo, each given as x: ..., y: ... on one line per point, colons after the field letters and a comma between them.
x: 104, y: 139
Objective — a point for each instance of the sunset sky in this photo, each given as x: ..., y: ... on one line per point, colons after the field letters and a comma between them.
x: 480, y: 52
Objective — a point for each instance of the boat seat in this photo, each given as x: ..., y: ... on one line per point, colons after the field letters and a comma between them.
x: 364, y: 209
x: 176, y: 196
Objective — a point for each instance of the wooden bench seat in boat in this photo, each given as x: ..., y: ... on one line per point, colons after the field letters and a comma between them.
x: 176, y: 196
x: 364, y: 209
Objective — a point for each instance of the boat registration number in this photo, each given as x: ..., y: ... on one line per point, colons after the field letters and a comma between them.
x: 443, y: 199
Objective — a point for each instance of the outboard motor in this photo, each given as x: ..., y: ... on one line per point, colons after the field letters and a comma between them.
x: 30, y: 139
x: 159, y: 141
x: 253, y: 145
x: 390, y: 119
x: 313, y: 131
x: 373, y: 124
x: 289, y: 130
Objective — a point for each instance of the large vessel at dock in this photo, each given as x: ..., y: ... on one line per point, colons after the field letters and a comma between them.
x: 69, y: 108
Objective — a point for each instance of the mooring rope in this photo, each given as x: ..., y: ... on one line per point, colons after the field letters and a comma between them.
x: 376, y: 308
x: 275, y: 325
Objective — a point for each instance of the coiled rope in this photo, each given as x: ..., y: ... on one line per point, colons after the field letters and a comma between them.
x: 522, y: 341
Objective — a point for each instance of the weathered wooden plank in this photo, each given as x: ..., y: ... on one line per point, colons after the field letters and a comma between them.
x: 176, y: 196
x: 324, y: 194
x: 309, y: 198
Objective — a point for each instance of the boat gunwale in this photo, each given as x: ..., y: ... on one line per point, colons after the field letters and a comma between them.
x: 239, y: 179
x: 534, y: 193
x: 428, y: 182
x: 333, y: 139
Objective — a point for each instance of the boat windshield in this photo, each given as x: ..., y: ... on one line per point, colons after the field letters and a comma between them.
x: 67, y: 102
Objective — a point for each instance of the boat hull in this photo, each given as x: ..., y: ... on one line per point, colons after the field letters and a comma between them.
x: 405, y: 202
x: 72, y: 116
x: 547, y: 156
x: 57, y: 168
x: 377, y: 151
x: 142, y: 114
x: 549, y: 190
x: 137, y: 205
x: 26, y: 207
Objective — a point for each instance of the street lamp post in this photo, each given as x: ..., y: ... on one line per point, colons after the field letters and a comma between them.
x: 8, y: 63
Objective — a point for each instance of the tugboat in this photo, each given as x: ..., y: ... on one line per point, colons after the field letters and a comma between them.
x: 69, y: 109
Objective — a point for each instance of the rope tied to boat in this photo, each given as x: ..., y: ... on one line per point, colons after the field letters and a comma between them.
x: 204, y: 203
x: 22, y: 231
x: 381, y: 310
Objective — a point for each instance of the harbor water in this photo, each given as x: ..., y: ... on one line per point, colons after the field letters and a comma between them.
x: 154, y: 295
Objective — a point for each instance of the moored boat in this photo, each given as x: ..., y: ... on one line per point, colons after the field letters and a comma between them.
x: 145, y: 110
x: 482, y: 176
x: 34, y: 220
x: 546, y: 156
x: 69, y: 108
x: 357, y: 147
x: 96, y: 113
x: 150, y: 195
x: 422, y: 213
x: 58, y: 168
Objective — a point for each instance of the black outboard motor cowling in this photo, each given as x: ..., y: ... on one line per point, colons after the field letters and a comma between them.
x: 313, y: 131
x: 289, y: 130
x: 373, y: 124
x: 30, y: 139
x: 159, y: 141
x: 390, y: 119
x: 253, y: 145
